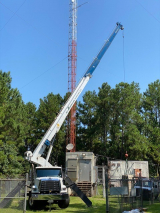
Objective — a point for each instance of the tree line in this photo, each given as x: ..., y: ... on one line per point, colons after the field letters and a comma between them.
x: 109, y: 123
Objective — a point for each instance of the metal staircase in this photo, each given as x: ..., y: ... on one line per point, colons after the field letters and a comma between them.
x: 85, y: 187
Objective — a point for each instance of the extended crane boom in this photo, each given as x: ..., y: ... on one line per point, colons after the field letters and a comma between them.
x: 56, y: 125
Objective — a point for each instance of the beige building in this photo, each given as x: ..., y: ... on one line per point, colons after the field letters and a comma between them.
x: 118, y: 168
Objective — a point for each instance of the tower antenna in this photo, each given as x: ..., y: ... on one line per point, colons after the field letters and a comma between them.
x: 72, y: 68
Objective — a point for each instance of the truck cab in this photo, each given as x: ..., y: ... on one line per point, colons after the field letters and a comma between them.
x: 47, y: 185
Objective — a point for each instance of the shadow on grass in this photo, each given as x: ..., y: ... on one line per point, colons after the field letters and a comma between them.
x: 76, y: 205
x: 14, y: 205
x: 73, y: 207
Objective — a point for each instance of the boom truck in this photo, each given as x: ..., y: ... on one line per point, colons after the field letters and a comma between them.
x: 47, y: 182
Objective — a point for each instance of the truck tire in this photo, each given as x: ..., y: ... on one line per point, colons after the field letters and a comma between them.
x: 64, y: 203
x: 31, y: 203
x: 152, y: 197
x: 36, y: 204
x: 156, y: 197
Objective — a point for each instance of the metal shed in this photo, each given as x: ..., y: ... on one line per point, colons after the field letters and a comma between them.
x: 81, y: 168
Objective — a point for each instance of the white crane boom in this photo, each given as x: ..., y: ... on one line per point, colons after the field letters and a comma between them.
x: 56, y: 125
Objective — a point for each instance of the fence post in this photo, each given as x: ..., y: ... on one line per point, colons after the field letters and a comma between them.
x: 9, y: 186
x: 0, y: 189
x: 103, y: 178
x: 141, y: 192
x: 106, y: 183
x: 25, y: 194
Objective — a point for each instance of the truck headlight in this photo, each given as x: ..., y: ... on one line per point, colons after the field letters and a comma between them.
x: 34, y: 188
x: 64, y: 188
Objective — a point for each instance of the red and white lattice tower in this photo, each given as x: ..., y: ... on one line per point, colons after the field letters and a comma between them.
x: 72, y: 67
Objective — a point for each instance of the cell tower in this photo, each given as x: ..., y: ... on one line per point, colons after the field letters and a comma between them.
x: 72, y: 67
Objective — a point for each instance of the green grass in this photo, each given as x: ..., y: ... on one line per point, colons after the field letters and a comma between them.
x: 155, y: 208
x: 14, y: 206
x: 77, y: 205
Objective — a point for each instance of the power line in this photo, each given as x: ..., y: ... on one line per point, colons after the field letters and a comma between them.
x: 12, y: 15
x: 43, y: 73
x: 99, y: 67
x: 148, y: 11
x: 82, y: 4
x: 15, y: 13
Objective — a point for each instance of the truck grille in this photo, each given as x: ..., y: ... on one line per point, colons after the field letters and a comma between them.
x: 50, y: 186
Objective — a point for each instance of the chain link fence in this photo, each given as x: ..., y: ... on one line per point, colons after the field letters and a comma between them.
x: 13, y: 195
x: 127, y: 193
x: 123, y: 196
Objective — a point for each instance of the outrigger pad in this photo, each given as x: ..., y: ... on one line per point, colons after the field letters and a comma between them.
x: 75, y: 188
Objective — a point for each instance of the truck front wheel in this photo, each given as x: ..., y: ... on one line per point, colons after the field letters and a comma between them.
x: 31, y: 203
x: 64, y: 203
x: 36, y: 204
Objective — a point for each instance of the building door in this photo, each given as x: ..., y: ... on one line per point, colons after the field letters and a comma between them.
x: 72, y: 169
x: 85, y: 170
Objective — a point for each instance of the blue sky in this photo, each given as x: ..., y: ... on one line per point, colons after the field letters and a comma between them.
x: 34, y: 44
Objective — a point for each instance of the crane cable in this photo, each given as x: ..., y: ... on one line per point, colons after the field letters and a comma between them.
x: 123, y: 56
